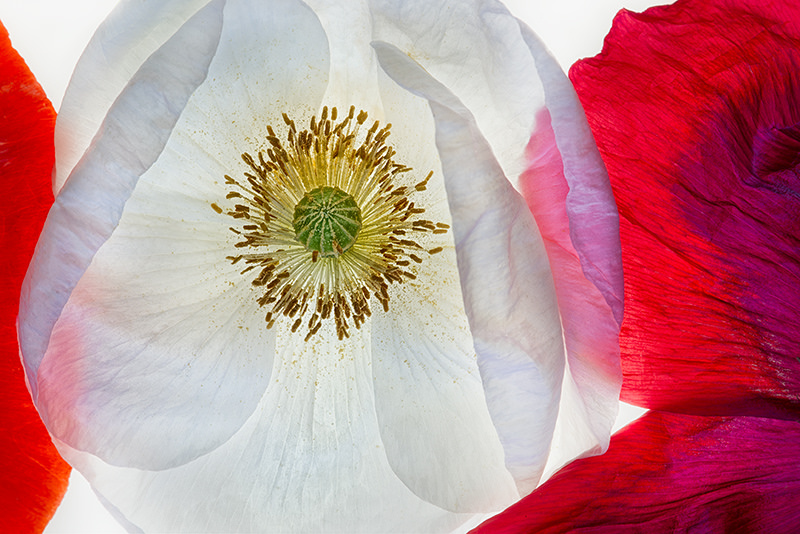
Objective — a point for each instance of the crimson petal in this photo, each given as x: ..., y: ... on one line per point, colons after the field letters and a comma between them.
x: 34, y: 477
x: 671, y: 472
x: 696, y: 110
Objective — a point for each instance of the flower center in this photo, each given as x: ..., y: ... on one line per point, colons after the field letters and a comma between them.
x: 327, y: 224
x: 327, y: 220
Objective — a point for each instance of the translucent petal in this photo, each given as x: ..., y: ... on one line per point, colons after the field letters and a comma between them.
x: 567, y: 189
x: 148, y: 332
x: 134, y: 30
x: 429, y: 397
x: 505, y: 278
x: 474, y: 48
x: 131, y: 139
x: 309, y: 459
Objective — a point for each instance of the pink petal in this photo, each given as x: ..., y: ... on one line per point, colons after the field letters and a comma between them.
x: 672, y: 473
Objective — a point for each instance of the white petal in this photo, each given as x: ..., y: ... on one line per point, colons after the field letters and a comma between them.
x: 474, y: 48
x: 130, y: 139
x: 354, y: 70
x: 309, y: 459
x: 432, y: 413
x: 119, y: 47
x: 430, y: 402
x: 590, y: 202
x: 505, y: 278
x: 161, y: 326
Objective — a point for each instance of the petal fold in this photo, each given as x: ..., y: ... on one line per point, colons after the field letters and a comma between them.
x: 131, y: 139
x: 157, y: 330
x: 506, y: 281
x: 123, y: 42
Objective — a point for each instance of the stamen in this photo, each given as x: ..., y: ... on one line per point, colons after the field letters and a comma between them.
x: 326, y: 223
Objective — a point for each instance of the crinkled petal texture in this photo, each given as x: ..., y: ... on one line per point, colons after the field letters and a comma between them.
x: 146, y: 347
x: 673, y: 473
x: 695, y: 110
x: 34, y: 477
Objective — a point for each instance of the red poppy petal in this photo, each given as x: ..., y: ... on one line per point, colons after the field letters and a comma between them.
x: 696, y: 110
x: 34, y: 477
x: 672, y: 473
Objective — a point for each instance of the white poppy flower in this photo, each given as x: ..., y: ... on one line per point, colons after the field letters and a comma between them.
x: 256, y: 306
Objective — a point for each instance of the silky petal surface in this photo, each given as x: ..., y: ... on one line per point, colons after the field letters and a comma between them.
x: 505, y: 278
x: 429, y: 396
x: 695, y: 110
x: 588, y: 280
x: 311, y: 447
x: 673, y: 473
x: 566, y: 188
x: 34, y: 477
x: 473, y: 48
x: 87, y: 212
x: 160, y: 292
x: 134, y: 30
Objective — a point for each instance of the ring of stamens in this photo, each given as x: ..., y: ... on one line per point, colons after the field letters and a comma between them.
x: 326, y: 222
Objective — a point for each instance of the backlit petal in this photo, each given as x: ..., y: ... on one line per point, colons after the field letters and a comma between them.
x: 159, y: 290
x: 694, y: 108
x: 34, y: 477
x: 505, y: 278
x: 672, y: 473
x: 134, y: 30
x: 147, y: 345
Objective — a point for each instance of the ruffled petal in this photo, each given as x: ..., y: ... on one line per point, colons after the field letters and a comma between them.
x: 131, y: 33
x: 147, y: 333
x: 673, y: 473
x: 694, y: 107
x: 566, y: 188
x: 505, y: 278
x: 34, y: 477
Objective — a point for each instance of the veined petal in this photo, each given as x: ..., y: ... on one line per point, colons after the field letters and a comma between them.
x: 672, y: 473
x: 429, y: 397
x: 147, y: 333
x: 188, y: 411
x: 505, y: 278
x: 694, y: 108
x: 34, y: 477
x: 131, y: 33
x: 311, y: 446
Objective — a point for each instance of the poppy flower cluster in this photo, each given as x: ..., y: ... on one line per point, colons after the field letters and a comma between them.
x: 370, y: 279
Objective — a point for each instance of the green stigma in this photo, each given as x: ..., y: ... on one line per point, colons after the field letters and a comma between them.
x: 327, y: 220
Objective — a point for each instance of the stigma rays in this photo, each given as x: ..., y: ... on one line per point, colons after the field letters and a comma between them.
x: 327, y: 222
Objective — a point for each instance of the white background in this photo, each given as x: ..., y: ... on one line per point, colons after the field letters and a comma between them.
x: 50, y: 35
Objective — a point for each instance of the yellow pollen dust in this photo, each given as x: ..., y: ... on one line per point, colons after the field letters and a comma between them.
x: 348, y: 175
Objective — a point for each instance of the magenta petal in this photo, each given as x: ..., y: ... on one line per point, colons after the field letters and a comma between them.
x: 694, y: 107
x: 673, y: 473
